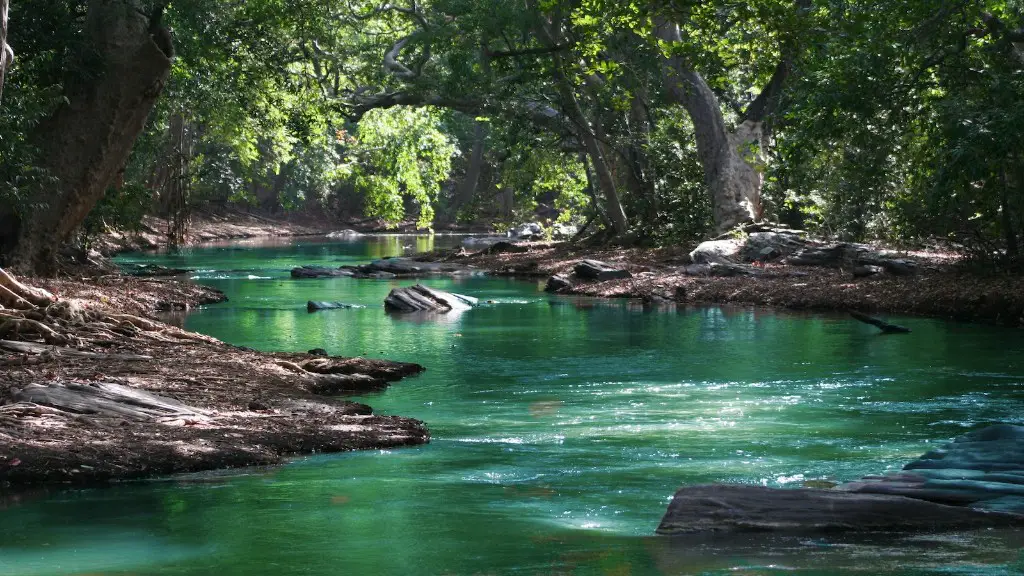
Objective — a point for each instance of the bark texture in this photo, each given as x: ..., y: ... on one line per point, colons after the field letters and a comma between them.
x: 86, y: 142
x: 729, y: 158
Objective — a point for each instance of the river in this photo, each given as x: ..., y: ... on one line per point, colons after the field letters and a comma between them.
x: 561, y: 427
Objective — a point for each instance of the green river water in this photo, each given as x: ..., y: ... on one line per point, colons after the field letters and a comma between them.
x: 561, y: 427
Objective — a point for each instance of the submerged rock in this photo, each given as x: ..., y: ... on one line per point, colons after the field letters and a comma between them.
x: 387, y: 269
x: 975, y: 481
x: 981, y: 469
x: 319, y: 272
x: 742, y: 508
x: 316, y: 305
x: 420, y: 298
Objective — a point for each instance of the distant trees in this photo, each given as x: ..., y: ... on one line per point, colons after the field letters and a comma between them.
x: 659, y: 121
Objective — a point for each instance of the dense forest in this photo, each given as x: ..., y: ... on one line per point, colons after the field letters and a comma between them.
x: 648, y: 122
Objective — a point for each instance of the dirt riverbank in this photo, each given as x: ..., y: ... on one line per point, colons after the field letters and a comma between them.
x: 941, y: 287
x: 104, y: 391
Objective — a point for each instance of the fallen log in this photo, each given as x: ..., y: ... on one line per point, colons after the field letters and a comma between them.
x: 884, y: 326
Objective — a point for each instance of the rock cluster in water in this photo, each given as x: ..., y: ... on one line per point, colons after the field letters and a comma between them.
x: 975, y: 481
x: 388, y: 268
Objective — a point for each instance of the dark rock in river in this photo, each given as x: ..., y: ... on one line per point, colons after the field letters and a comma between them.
x: 315, y: 305
x: 596, y: 270
x: 743, y: 508
x: 975, y: 481
x: 388, y: 268
x: 981, y: 469
x: 419, y: 298
x: 319, y: 272
x: 317, y: 352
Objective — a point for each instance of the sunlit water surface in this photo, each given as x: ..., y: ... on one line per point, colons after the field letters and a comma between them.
x: 561, y: 428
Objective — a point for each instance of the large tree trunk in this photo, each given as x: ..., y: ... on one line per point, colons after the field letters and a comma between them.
x: 89, y: 137
x: 729, y: 158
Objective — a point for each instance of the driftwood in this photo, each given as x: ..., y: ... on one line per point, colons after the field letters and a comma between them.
x: 107, y: 399
x: 884, y: 326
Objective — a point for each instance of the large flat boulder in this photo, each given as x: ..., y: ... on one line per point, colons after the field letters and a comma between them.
x: 597, y: 270
x: 716, y: 251
x: 420, y: 298
x: 744, y: 508
x: 981, y: 469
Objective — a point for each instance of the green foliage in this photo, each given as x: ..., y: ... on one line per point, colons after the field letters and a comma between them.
x: 400, y: 155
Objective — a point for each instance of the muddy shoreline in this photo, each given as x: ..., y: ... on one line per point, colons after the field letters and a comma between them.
x: 245, y: 407
x: 941, y: 288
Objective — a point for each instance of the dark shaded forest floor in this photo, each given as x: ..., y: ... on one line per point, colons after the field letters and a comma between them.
x: 243, y: 407
x: 942, y: 287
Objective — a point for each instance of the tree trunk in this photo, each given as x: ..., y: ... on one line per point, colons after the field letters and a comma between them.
x: 1009, y: 222
x: 6, y: 54
x: 467, y: 188
x: 605, y: 180
x: 89, y: 137
x: 728, y: 158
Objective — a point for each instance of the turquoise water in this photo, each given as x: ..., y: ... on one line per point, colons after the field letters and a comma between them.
x: 561, y: 427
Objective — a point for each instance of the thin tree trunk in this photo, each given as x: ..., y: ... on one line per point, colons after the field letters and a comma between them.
x: 605, y: 180
x: 1009, y: 227
x: 616, y: 214
x: 6, y: 54
x: 467, y: 188
x: 89, y: 137
x: 728, y: 158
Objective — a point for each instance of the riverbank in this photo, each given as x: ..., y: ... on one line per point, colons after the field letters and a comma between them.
x: 232, y: 223
x: 95, y: 389
x: 939, y: 287
x: 210, y: 226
